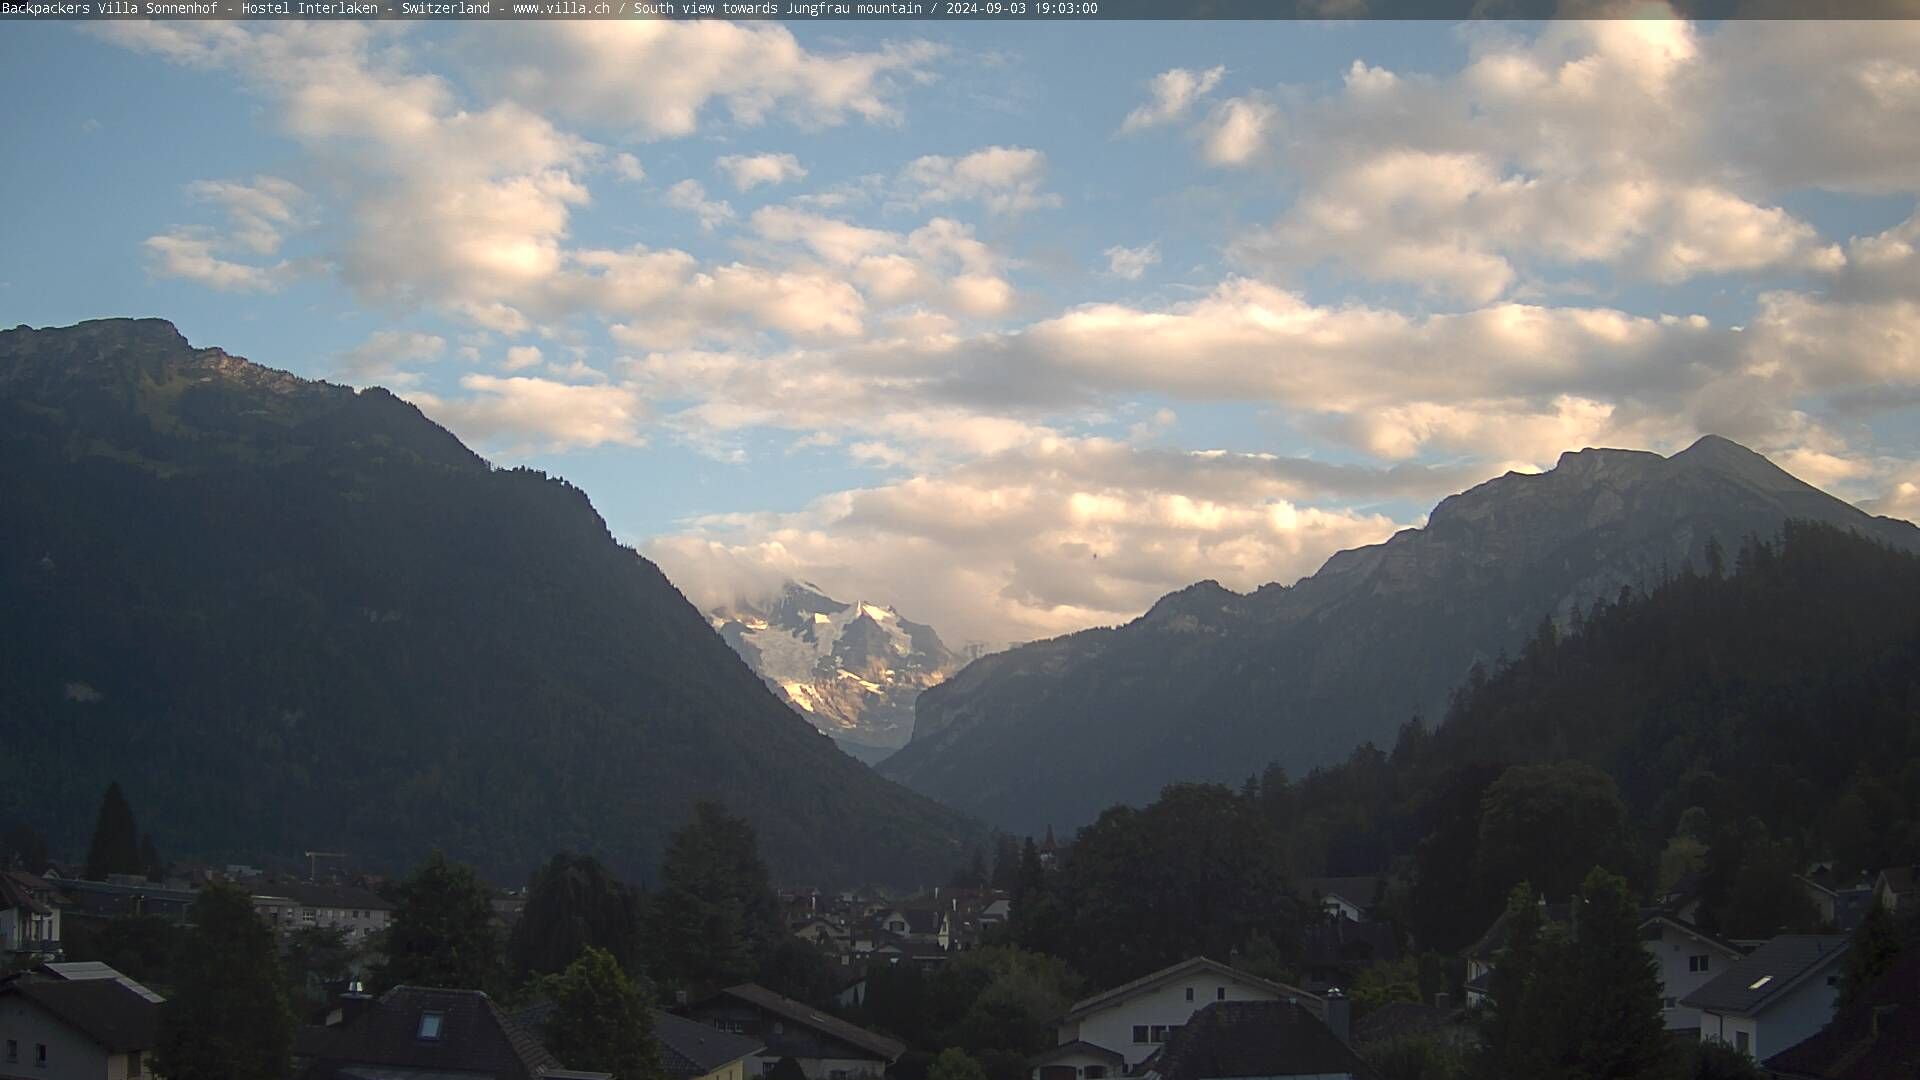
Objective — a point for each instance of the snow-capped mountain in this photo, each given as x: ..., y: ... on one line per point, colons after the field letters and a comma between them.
x: 854, y: 670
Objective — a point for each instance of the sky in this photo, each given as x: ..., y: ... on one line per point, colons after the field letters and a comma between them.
x: 1015, y: 327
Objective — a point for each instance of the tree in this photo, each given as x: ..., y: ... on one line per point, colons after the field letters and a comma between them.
x: 116, y: 838
x: 717, y: 913
x: 1506, y: 1026
x: 973, y: 875
x: 1614, y: 1029
x: 314, y: 956
x: 1550, y: 824
x: 573, y: 904
x: 442, y: 932
x: 601, y: 1020
x: 955, y: 1064
x: 1876, y: 945
x: 797, y: 968
x: 228, y: 1017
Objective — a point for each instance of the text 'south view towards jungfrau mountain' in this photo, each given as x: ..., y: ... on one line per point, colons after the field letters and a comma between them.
x: 1034, y: 540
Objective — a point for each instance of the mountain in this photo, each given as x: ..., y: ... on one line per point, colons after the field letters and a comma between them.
x: 853, y: 670
x: 287, y: 615
x: 1212, y: 684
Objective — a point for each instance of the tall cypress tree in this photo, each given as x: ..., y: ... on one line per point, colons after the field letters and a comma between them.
x: 1613, y: 1022
x: 573, y: 904
x: 718, y: 917
x: 116, y: 838
x: 228, y: 1017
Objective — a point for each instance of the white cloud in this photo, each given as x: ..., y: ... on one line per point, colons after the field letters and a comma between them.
x: 390, y: 357
x: 259, y: 214
x: 1238, y: 131
x: 750, y: 171
x: 1004, y: 179
x: 521, y: 357
x: 1131, y: 263
x: 523, y: 413
x: 628, y: 168
x: 1171, y: 95
x: 690, y: 196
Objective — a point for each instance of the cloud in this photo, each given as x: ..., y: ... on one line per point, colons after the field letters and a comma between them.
x: 1004, y: 179
x: 750, y: 171
x: 1131, y: 263
x: 690, y: 196
x: 1237, y: 132
x: 661, y: 79
x: 259, y: 214
x: 523, y: 413
x: 940, y: 263
x: 521, y: 357
x: 1171, y: 94
x: 628, y: 168
x: 191, y: 254
x: 390, y: 358
x: 1032, y: 541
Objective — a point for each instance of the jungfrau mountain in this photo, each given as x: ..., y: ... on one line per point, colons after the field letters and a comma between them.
x: 853, y: 670
x: 1212, y: 684
x: 288, y: 615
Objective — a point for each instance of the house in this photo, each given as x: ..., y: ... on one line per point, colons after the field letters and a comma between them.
x: 1774, y: 998
x: 1336, y: 949
x: 81, y: 970
x: 112, y: 898
x: 1352, y: 897
x: 1875, y: 1038
x: 1230, y: 1040
x: 75, y: 1029
x: 1688, y: 959
x: 998, y: 910
x: 919, y: 924
x: 690, y: 1050
x: 418, y: 1033
x: 1840, y: 907
x: 29, y: 917
x: 289, y: 906
x: 826, y: 1047
x: 1130, y: 1022
x: 1897, y: 889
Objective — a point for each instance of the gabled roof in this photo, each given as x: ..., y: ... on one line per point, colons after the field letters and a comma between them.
x: 19, y: 889
x: 82, y: 970
x: 103, y: 1010
x: 1256, y: 1039
x: 1663, y: 919
x: 1875, y: 1038
x: 1191, y: 966
x: 807, y: 1016
x: 1755, y: 982
x: 475, y: 1037
x: 1067, y: 1049
x: 691, y: 1048
x: 1899, y: 880
x: 1358, y: 891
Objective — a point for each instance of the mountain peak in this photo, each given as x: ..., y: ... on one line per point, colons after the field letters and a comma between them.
x: 1725, y: 456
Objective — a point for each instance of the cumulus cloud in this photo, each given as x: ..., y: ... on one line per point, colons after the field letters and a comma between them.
x: 628, y: 168
x: 259, y: 214
x: 1004, y: 179
x: 940, y: 263
x: 1171, y: 94
x: 1237, y: 132
x: 750, y: 171
x: 1131, y: 263
x: 690, y: 196
x: 523, y: 413
x: 390, y: 357
x: 1033, y: 541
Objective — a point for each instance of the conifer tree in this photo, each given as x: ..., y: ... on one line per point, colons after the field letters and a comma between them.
x: 228, y: 1017
x: 116, y: 838
x: 442, y: 933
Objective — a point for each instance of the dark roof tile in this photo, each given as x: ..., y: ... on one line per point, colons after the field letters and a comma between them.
x: 103, y: 1010
x: 1256, y: 1039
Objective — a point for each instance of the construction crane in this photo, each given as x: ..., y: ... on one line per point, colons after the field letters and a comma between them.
x: 313, y: 863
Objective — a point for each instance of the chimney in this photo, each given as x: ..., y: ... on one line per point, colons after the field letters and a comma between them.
x: 1339, y: 1015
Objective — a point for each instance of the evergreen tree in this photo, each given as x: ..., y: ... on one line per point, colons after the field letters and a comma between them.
x: 1613, y: 1027
x: 573, y: 903
x: 955, y: 1064
x: 116, y: 838
x: 1876, y: 945
x: 601, y: 1020
x: 717, y: 914
x: 442, y: 932
x: 228, y: 1017
x: 1505, y: 1025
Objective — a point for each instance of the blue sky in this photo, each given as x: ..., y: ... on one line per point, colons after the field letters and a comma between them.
x: 1015, y: 327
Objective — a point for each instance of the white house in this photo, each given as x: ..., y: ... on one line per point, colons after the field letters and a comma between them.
x: 289, y: 906
x: 29, y: 919
x: 1111, y: 1032
x: 1689, y: 959
x: 84, y: 1029
x: 1781, y: 994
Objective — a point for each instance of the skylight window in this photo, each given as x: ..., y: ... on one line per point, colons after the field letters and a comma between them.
x: 430, y: 1024
x: 1759, y: 982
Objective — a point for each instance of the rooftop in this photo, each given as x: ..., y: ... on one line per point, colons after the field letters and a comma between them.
x: 1753, y: 983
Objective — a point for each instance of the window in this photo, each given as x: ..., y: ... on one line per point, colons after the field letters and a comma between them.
x: 1096, y: 1072
x: 430, y: 1024
x: 1668, y: 1003
x: 13, y: 1049
x: 1833, y: 980
x: 1740, y: 1041
x: 133, y: 1064
x: 1697, y: 963
x: 1189, y: 993
x: 1159, y: 1033
x: 1759, y: 982
x: 40, y: 1054
x: 1139, y: 1033
x: 1219, y: 993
